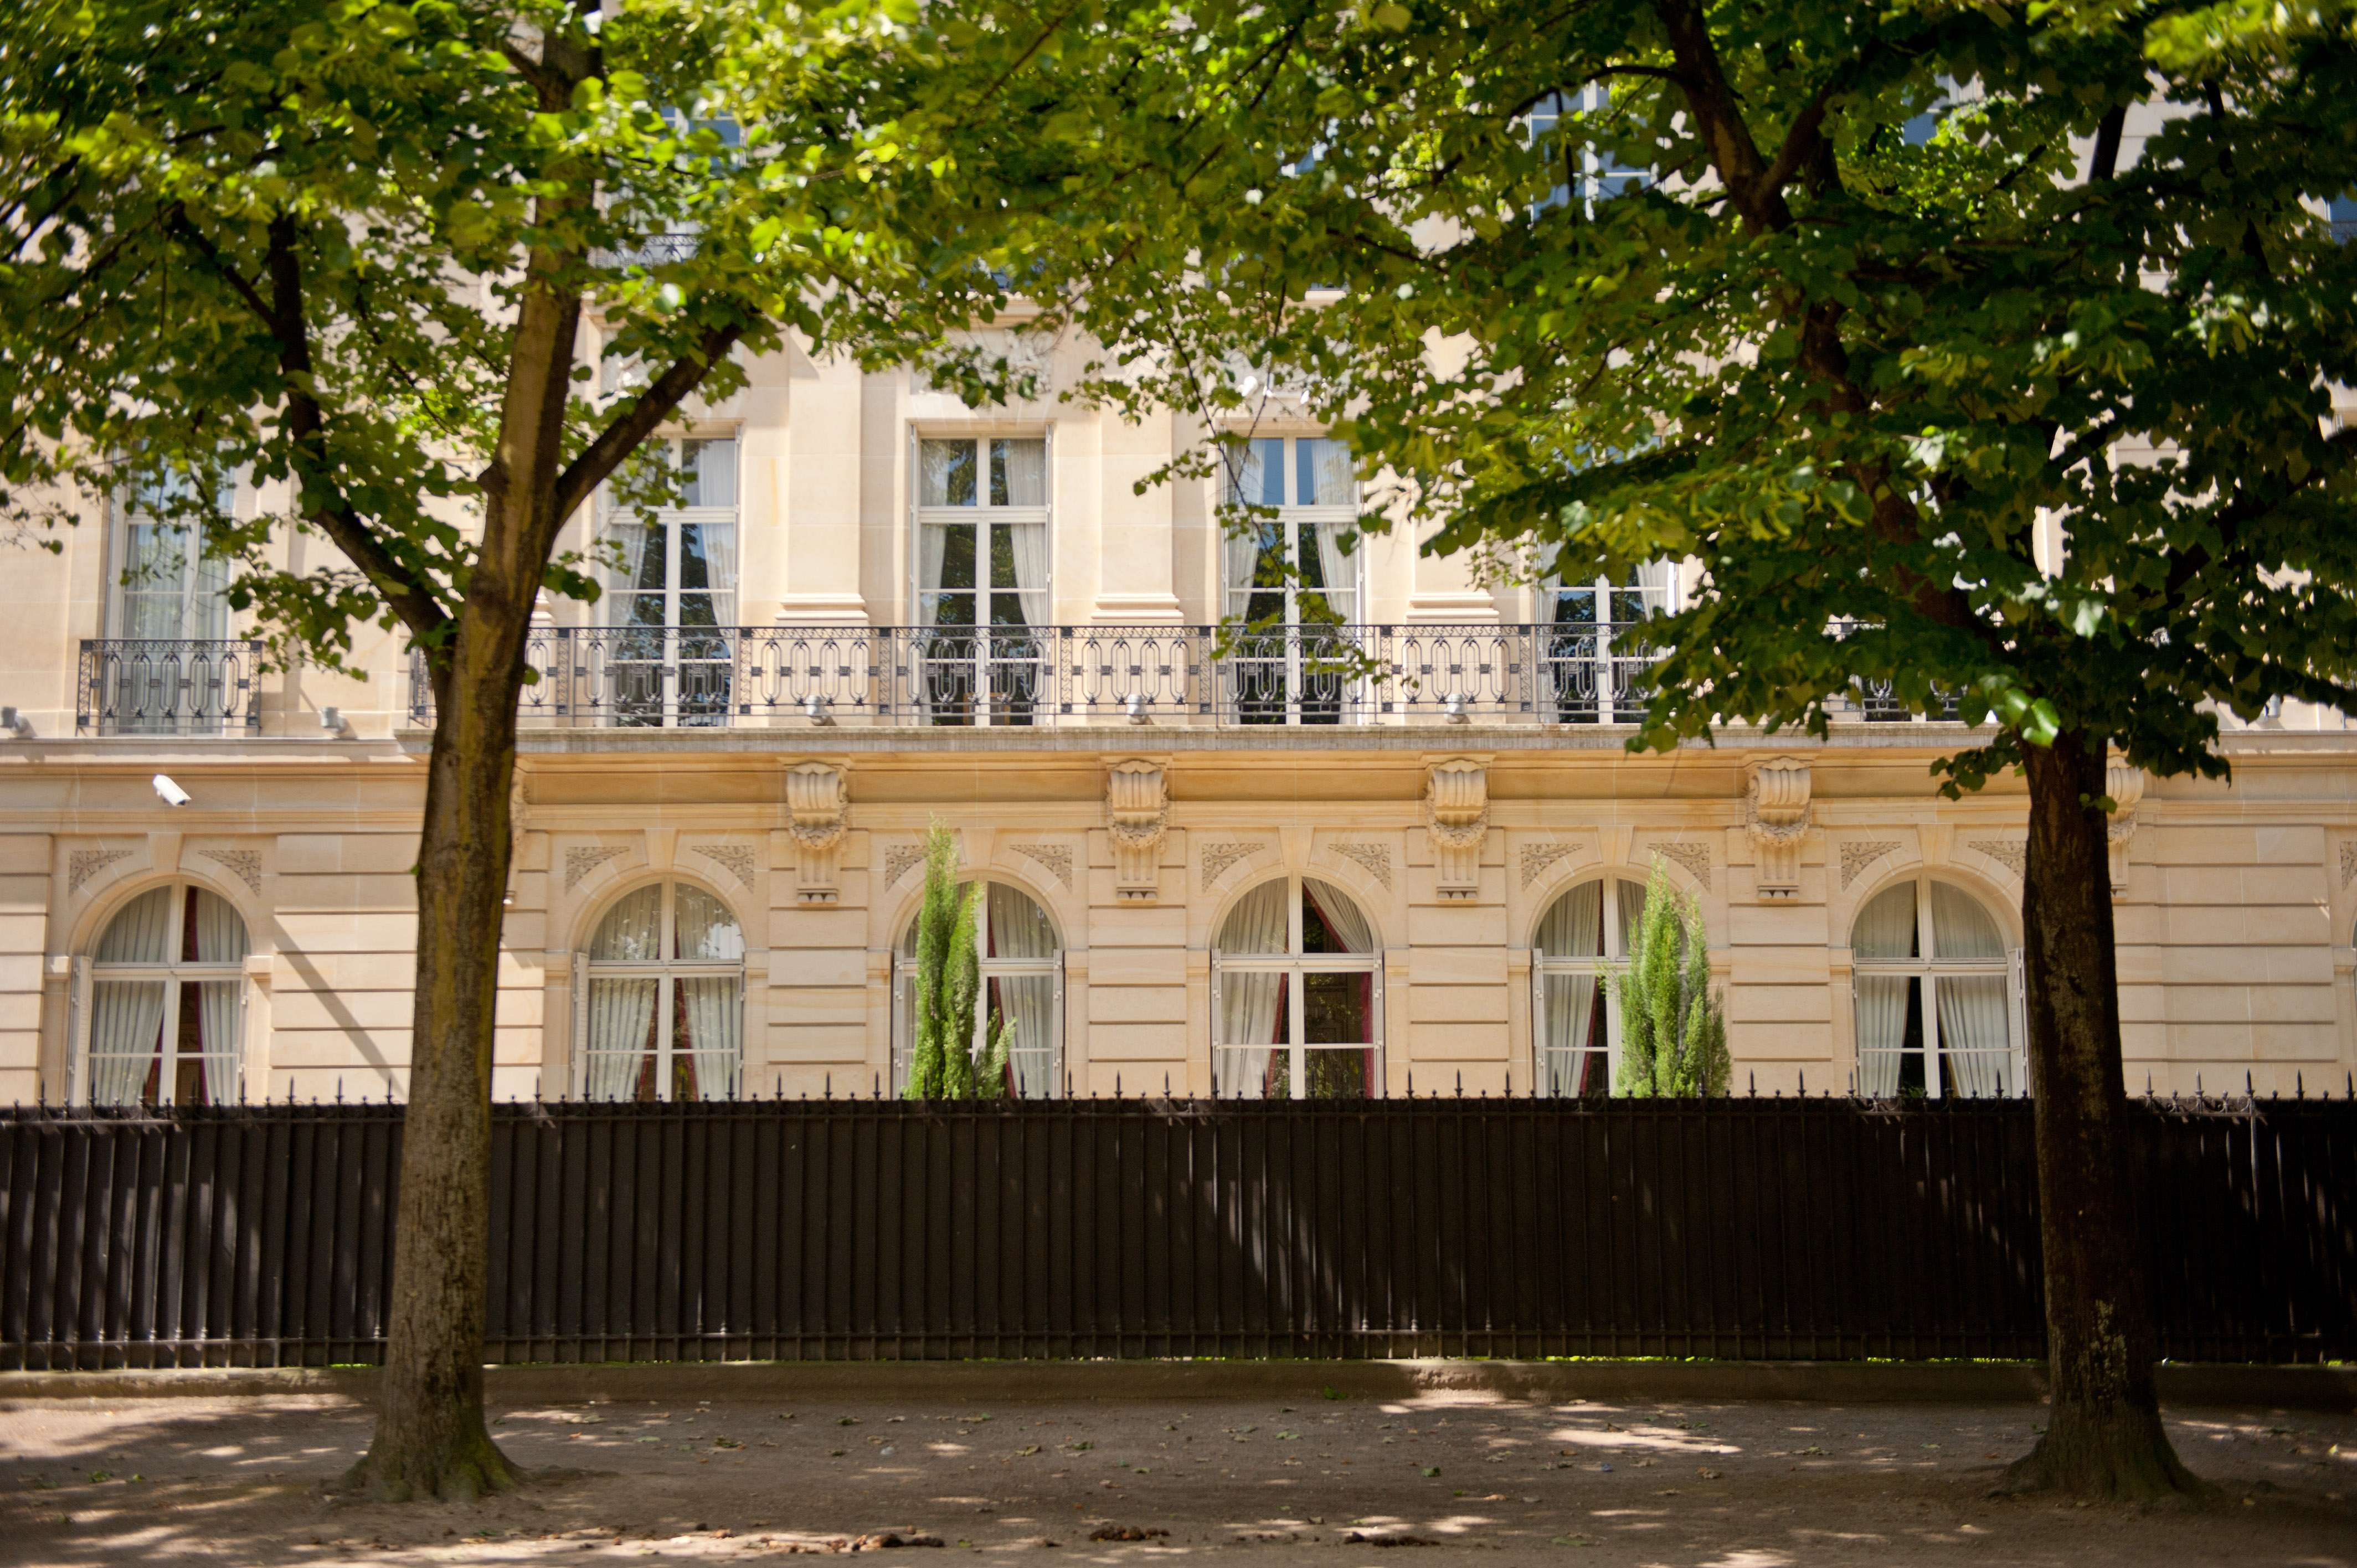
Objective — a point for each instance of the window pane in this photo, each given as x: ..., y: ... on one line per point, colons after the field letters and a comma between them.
x: 621, y: 1037
x: 1250, y: 1074
x: 142, y: 933
x: 1885, y: 928
x: 126, y: 1030
x: 1019, y: 473
x: 1573, y: 926
x: 1339, y: 1075
x: 709, y: 472
x: 1338, y: 1009
x: 1961, y: 928
x: 1631, y: 898
x: 945, y: 473
x: 1027, y: 1003
x: 632, y: 932
x: 706, y: 930
x: 1018, y: 928
x: 1331, y: 922
x: 1256, y: 477
x: 1257, y: 925
x: 1322, y: 472
x: 215, y: 932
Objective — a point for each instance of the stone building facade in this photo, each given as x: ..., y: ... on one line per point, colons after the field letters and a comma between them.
x: 1242, y: 866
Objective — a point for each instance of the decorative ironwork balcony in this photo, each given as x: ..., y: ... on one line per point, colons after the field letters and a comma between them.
x: 1017, y: 676
x: 167, y: 686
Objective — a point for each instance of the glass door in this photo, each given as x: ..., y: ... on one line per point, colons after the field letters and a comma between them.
x: 666, y: 652
x: 981, y: 591
x: 1290, y: 581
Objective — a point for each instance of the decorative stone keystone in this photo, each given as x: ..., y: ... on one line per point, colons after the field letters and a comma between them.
x: 815, y: 796
x: 1457, y: 812
x: 1776, y: 812
x: 2124, y: 782
x: 1137, y: 801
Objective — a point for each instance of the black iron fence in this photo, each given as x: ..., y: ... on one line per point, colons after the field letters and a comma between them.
x: 1018, y: 675
x: 1816, y: 1230
x: 172, y: 686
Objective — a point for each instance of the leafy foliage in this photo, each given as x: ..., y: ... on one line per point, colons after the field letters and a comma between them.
x: 1673, y: 1032
x: 946, y: 988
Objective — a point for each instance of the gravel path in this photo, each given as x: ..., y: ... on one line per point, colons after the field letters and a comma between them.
x: 1711, y: 1485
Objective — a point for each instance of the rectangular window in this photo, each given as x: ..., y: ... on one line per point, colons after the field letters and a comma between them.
x: 982, y: 579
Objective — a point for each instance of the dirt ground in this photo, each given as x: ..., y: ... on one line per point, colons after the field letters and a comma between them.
x: 1337, y: 1482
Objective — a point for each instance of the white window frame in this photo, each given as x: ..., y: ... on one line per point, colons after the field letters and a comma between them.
x: 127, y: 515
x: 669, y: 523
x: 1296, y: 964
x: 1607, y: 596
x: 1299, y: 526
x: 176, y: 973
x: 666, y: 972
x: 904, y: 989
x: 1927, y: 969
x: 1606, y: 968
x: 983, y: 517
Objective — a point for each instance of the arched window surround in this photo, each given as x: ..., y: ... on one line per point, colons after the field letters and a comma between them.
x: 626, y: 996
x: 1957, y: 989
x: 1026, y: 986
x: 145, y: 983
x: 1576, y: 1066
x: 1293, y: 1002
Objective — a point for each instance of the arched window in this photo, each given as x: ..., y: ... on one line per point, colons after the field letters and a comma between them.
x: 166, y: 1008
x: 1022, y: 983
x: 1935, y: 994
x: 662, y: 994
x: 1296, y: 995
x: 1582, y: 942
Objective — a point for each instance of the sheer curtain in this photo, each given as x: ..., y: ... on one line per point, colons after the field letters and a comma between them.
x: 1573, y: 927
x: 708, y: 932
x: 720, y: 543
x: 142, y: 933
x: 221, y: 939
x: 1019, y: 929
x: 1885, y: 929
x: 1341, y: 914
x: 711, y: 472
x: 1030, y: 540
x: 716, y: 1021
x: 620, y: 1014
x: 1631, y: 899
x: 632, y: 931
x: 1961, y: 928
x: 1973, y: 1032
x: 1324, y: 474
x: 932, y: 549
x: 1019, y: 474
x: 1250, y: 1002
x: 1334, y: 568
x: 126, y: 1025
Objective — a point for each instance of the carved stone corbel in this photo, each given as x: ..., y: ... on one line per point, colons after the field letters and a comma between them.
x: 1138, y: 804
x: 2124, y: 782
x: 1776, y: 813
x: 1456, y: 814
x: 816, y: 797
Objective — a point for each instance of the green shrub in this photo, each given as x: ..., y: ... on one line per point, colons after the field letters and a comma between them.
x: 1672, y: 1034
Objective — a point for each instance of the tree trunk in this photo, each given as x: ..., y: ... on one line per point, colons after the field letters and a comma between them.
x: 430, y: 1437
x: 2104, y: 1438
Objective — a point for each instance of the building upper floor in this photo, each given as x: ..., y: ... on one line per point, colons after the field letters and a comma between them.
x: 854, y: 549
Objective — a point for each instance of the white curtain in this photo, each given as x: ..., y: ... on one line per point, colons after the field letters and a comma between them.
x: 1251, y: 471
x: 1886, y: 926
x: 1973, y: 1033
x: 932, y: 549
x: 1631, y: 898
x: 126, y: 1021
x: 628, y: 538
x: 719, y: 540
x: 1961, y: 928
x: 1019, y: 929
x: 1569, y: 1008
x: 1334, y: 569
x: 219, y: 1002
x: 1343, y: 918
x: 632, y: 931
x: 620, y: 1011
x: 1238, y: 563
x: 708, y: 932
x: 1573, y: 926
x: 1019, y: 473
x: 711, y: 477
x: 1657, y: 580
x: 716, y: 1021
x: 1326, y: 476
x: 1881, y: 1029
x: 1249, y: 1002
x: 221, y: 934
x: 1031, y: 540
x: 143, y: 932
x: 945, y: 473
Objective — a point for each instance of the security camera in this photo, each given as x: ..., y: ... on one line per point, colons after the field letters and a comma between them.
x: 16, y: 723
x: 171, y: 794
x: 332, y: 720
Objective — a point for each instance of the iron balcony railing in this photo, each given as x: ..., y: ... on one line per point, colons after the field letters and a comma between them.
x: 690, y: 677
x: 174, y: 686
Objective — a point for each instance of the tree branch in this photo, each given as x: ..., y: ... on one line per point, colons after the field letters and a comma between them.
x: 635, y: 423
